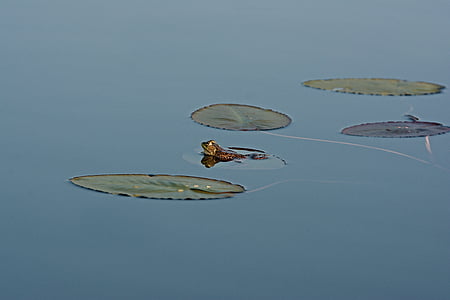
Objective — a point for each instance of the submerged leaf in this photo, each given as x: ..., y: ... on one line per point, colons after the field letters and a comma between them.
x: 240, y: 117
x: 159, y: 186
x: 376, y: 86
x: 399, y: 129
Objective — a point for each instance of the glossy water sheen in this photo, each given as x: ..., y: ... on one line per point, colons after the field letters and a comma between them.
x: 99, y: 87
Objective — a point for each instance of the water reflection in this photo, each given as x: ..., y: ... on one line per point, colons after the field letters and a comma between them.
x: 209, y: 161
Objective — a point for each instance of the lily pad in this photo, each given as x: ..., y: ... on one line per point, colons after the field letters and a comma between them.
x: 240, y: 117
x: 159, y: 186
x: 376, y: 86
x: 399, y: 129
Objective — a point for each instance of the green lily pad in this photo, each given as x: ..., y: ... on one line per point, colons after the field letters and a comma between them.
x: 397, y: 129
x: 159, y: 186
x: 376, y: 86
x: 240, y: 117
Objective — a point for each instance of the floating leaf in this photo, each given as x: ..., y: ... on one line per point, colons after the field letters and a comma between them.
x: 159, y: 186
x: 397, y: 129
x: 376, y: 86
x: 240, y: 117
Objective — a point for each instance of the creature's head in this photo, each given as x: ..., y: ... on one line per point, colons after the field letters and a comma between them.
x: 210, y: 147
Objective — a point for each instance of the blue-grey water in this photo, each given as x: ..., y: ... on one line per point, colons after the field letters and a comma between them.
x: 98, y: 87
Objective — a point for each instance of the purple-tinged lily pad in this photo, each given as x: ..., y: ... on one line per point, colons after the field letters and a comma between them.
x: 397, y: 129
x: 240, y: 117
x: 376, y: 86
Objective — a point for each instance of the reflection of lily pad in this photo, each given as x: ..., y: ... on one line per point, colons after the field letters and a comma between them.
x: 376, y: 86
x: 159, y: 186
x: 240, y: 117
x: 397, y: 129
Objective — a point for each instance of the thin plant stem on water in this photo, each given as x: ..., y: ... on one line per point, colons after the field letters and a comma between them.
x: 428, y: 147
x: 298, y: 179
x: 362, y: 146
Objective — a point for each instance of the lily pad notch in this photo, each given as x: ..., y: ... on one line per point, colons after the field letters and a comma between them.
x: 376, y: 86
x: 159, y: 186
x: 240, y: 117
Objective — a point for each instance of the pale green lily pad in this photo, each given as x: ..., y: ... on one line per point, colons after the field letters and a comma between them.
x: 240, y: 117
x: 159, y: 186
x: 376, y: 86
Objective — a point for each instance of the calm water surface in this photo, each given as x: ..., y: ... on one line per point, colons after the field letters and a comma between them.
x: 93, y: 87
